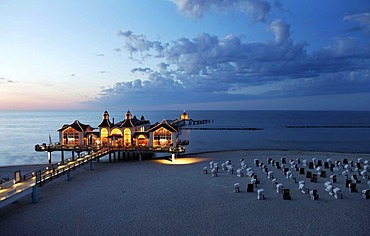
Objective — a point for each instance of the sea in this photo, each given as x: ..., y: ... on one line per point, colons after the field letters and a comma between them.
x: 338, y: 131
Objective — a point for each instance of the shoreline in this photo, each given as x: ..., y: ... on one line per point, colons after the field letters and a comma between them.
x: 214, y: 151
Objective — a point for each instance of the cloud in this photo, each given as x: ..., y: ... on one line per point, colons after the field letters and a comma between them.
x: 207, y: 68
x: 256, y: 9
x: 139, y: 44
x: 4, y: 80
x: 363, y: 19
x: 197, y: 8
x: 142, y: 70
x: 100, y: 55
x: 281, y: 31
x: 163, y: 66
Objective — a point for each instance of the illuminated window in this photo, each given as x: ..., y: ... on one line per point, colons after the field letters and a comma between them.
x: 141, y: 141
x: 116, y: 137
x: 71, y: 136
x: 104, y: 136
x: 162, y: 137
x: 104, y: 133
x: 127, y: 137
x: 116, y: 131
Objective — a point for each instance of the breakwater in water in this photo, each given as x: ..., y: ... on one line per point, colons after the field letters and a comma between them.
x: 327, y: 126
x: 218, y: 128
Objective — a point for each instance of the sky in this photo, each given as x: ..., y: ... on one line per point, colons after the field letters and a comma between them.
x: 185, y: 54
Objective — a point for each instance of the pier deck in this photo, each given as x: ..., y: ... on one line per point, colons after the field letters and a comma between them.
x: 29, y: 183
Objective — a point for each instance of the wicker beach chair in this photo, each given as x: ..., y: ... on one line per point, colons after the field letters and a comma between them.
x: 286, y: 194
x: 236, y: 188
x: 337, y: 193
x: 366, y: 193
x: 279, y: 188
x: 314, y: 194
x: 260, y: 194
x: 270, y: 174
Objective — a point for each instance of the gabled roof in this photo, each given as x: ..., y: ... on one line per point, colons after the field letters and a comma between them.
x: 78, y: 126
x: 163, y: 124
x: 126, y: 123
x: 105, y: 123
x: 138, y: 122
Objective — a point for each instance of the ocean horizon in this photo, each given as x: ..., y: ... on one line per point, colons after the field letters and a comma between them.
x: 334, y: 131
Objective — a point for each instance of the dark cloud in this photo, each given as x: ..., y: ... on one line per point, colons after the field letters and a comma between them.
x: 163, y: 66
x: 209, y: 69
x: 142, y: 70
x: 100, y: 55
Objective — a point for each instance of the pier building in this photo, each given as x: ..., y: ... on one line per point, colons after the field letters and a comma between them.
x: 128, y: 133
x: 76, y: 133
x: 130, y: 137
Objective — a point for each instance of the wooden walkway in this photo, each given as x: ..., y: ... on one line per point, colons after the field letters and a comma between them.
x: 11, y: 191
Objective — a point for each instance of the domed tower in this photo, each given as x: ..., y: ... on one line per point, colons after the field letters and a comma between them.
x: 104, y: 129
x: 128, y: 115
x: 105, y: 115
x: 105, y: 122
x: 184, y: 116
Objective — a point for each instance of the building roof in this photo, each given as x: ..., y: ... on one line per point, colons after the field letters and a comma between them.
x: 163, y: 124
x: 126, y: 123
x: 105, y: 123
x: 132, y: 122
x: 78, y: 126
x: 138, y: 122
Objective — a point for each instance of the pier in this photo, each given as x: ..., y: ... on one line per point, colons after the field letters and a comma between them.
x: 122, y: 152
x: 15, y: 189
x: 183, y: 122
x: 131, y: 138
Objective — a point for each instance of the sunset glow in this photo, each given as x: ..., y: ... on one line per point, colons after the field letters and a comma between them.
x: 244, y: 54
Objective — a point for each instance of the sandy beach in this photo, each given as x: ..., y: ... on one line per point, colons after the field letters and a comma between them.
x: 158, y: 197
